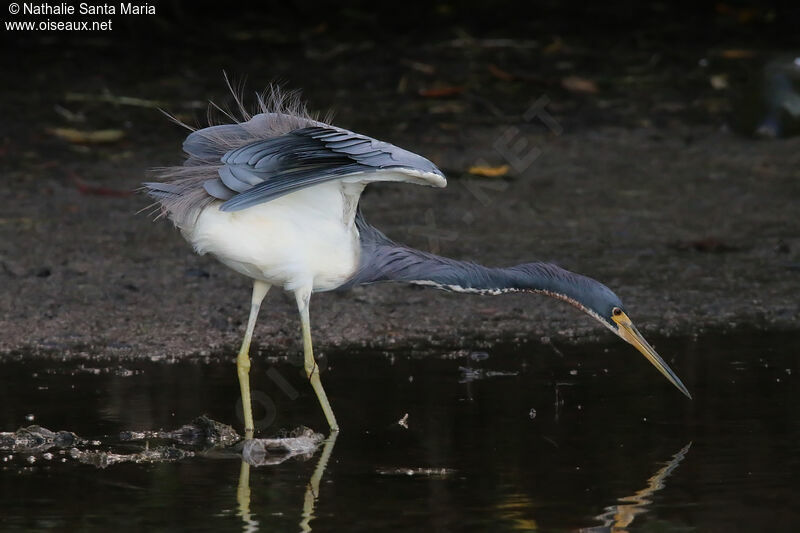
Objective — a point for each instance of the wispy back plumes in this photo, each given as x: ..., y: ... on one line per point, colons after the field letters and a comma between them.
x: 179, y: 191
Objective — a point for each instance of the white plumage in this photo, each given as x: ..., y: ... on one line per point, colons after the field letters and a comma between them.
x: 304, y: 239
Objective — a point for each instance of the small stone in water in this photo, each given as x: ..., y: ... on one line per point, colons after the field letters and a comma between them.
x: 532, y: 413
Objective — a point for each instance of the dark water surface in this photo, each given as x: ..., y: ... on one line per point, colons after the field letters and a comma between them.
x: 531, y: 438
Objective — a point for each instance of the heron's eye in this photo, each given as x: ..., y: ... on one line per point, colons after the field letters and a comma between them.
x: 616, y: 311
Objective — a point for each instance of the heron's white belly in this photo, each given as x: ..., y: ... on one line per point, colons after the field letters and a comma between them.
x: 294, y: 241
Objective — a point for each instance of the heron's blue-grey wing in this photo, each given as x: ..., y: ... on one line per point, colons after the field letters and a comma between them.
x: 207, y: 144
x: 264, y: 170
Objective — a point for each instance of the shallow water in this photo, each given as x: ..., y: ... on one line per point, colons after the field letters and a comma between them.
x: 580, y: 437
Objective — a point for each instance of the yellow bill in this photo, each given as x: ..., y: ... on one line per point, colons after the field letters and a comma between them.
x: 629, y: 332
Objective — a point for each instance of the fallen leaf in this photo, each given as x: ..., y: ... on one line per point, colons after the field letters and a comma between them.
x: 576, y: 84
x: 419, y: 67
x: 742, y: 14
x: 447, y: 107
x: 440, y: 92
x: 499, y: 73
x: 489, y: 172
x: 735, y: 53
x: 87, y: 137
x: 556, y: 46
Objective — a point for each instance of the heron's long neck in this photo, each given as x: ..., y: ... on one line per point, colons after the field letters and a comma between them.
x: 383, y: 260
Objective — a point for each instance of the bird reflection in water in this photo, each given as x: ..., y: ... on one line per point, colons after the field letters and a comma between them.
x: 618, y: 517
x: 259, y: 458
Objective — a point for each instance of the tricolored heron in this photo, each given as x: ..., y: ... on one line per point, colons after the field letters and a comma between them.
x: 275, y: 197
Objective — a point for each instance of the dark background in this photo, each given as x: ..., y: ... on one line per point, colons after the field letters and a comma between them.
x: 331, y: 48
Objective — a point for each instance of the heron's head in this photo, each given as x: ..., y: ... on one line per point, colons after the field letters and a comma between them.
x: 605, y: 306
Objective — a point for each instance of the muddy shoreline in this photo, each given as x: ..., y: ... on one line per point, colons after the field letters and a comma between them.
x: 89, y: 271
x: 638, y: 180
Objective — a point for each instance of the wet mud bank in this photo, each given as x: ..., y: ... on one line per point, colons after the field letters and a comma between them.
x: 690, y: 236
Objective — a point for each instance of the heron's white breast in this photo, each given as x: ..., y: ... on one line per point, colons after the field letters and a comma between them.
x: 304, y: 238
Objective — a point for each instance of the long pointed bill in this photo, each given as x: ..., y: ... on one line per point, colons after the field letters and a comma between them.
x: 629, y: 332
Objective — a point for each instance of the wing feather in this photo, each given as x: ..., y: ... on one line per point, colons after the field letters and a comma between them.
x: 267, y: 169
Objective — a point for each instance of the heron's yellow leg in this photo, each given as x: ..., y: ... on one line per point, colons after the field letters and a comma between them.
x: 312, y: 489
x: 312, y: 369
x: 243, y: 499
x: 260, y: 290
